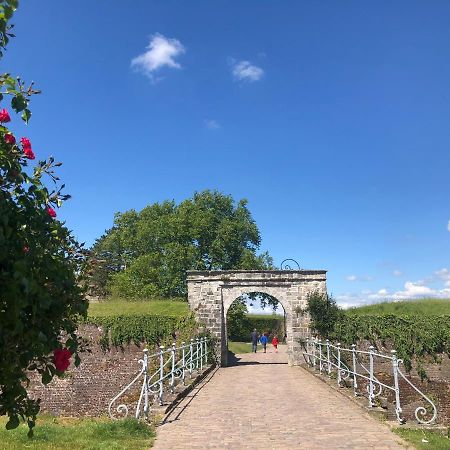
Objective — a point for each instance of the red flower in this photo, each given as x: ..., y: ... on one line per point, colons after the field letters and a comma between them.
x: 10, y: 139
x: 26, y: 249
x: 25, y: 143
x: 61, y: 358
x: 28, y: 153
x: 4, y: 116
x: 51, y: 212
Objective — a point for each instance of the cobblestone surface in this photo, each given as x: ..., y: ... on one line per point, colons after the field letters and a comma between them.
x: 262, y: 403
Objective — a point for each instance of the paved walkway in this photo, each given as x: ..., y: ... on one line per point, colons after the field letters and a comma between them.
x: 262, y: 403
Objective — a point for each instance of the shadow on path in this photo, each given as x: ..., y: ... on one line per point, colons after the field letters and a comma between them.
x: 178, y: 410
x: 236, y: 360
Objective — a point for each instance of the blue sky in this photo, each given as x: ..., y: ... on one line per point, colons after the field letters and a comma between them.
x: 331, y: 118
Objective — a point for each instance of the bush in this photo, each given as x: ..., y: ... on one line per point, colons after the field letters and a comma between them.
x: 324, y: 313
x: 40, y: 261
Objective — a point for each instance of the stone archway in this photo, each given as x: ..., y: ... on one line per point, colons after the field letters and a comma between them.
x: 211, y: 293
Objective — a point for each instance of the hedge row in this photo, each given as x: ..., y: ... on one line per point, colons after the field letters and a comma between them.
x: 413, y: 336
x: 150, y: 329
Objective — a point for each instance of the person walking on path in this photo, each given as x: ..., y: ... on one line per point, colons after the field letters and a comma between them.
x: 254, y: 337
x: 264, y: 339
x: 275, y: 343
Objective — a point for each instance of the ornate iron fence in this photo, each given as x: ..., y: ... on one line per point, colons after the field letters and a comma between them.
x: 359, y: 367
x: 160, y: 373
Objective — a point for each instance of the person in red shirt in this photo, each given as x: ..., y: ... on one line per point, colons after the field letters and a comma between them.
x: 275, y: 343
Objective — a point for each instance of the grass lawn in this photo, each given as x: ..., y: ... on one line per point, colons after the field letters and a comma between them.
x: 265, y: 316
x: 239, y: 347
x: 116, y: 307
x: 430, y: 307
x: 435, y: 440
x: 75, y: 434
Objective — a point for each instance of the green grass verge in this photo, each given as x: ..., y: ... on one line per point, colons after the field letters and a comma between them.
x: 239, y: 347
x: 76, y: 434
x: 265, y: 316
x: 435, y: 440
x: 118, y: 307
x: 430, y: 307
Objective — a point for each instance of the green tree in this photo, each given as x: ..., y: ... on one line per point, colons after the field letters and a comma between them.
x: 237, y: 321
x: 324, y: 313
x: 153, y: 248
x: 41, y: 298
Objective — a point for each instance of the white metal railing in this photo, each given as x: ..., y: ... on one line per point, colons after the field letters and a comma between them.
x: 358, y: 366
x: 161, y: 372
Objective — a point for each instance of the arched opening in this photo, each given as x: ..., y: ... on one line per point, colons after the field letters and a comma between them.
x: 256, y: 315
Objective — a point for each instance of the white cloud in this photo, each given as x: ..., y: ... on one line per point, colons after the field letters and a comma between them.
x: 397, y: 273
x: 448, y: 226
x: 436, y: 285
x: 212, y: 124
x: 358, y: 278
x: 245, y: 71
x: 161, y: 52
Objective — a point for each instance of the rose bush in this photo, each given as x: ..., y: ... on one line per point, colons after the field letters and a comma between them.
x: 41, y: 264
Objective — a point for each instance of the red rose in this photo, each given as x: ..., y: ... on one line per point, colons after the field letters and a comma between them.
x: 28, y: 153
x: 4, y: 116
x: 26, y: 249
x: 51, y: 212
x: 61, y: 358
x: 25, y: 143
x: 10, y: 139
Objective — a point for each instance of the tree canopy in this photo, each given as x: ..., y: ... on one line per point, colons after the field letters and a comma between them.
x: 147, y: 253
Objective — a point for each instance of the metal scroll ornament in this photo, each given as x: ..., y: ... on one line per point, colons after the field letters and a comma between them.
x: 287, y: 264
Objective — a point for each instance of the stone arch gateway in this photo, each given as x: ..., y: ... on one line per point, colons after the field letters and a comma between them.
x: 211, y: 293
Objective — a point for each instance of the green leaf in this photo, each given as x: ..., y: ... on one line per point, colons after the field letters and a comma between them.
x: 46, y: 377
x: 26, y: 115
x: 13, y: 422
x: 19, y: 103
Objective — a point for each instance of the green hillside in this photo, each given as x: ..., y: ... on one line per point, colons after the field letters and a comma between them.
x: 425, y: 306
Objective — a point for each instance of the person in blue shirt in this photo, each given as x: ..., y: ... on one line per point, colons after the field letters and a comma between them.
x: 264, y: 339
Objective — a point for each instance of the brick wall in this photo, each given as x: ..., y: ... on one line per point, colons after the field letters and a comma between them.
x: 87, y: 390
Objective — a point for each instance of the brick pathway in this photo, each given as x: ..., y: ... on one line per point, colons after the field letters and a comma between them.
x: 262, y: 403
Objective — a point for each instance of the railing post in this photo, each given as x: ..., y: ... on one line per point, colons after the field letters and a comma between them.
x: 206, y: 351
x: 197, y: 353
x: 201, y: 353
x: 398, y: 408
x: 191, y: 359
x: 172, y: 376
x: 183, y: 361
x: 371, y: 386
x: 144, y: 391
x: 314, y: 352
x: 355, y: 382
x: 320, y: 355
x: 328, y: 358
x: 161, y: 373
x: 339, y: 364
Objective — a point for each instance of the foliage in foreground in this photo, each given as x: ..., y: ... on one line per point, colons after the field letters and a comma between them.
x: 147, y: 253
x: 40, y: 261
x: 77, y: 434
x: 433, y: 440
